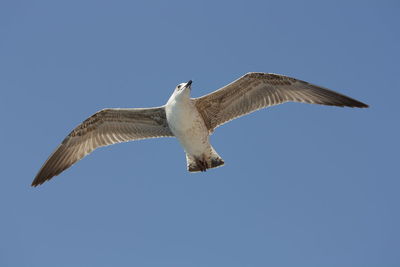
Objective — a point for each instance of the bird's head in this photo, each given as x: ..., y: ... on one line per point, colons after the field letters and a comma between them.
x: 183, y: 90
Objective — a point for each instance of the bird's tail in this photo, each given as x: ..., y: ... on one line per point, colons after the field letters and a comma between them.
x: 201, y: 164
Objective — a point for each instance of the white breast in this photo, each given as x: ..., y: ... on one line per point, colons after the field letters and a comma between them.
x: 188, y: 126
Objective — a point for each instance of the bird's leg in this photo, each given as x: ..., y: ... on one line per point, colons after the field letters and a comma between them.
x: 202, y: 164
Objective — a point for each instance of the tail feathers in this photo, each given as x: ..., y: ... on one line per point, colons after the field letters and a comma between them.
x: 201, y: 164
x: 216, y: 162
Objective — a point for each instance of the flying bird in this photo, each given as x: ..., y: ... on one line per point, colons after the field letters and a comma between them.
x: 190, y: 120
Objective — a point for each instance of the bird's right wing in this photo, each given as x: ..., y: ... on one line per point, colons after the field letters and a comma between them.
x: 106, y: 127
x: 255, y: 90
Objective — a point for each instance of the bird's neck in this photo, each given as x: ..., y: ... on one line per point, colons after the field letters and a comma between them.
x: 182, y: 99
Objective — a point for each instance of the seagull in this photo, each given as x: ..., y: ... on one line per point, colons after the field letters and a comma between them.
x: 190, y: 120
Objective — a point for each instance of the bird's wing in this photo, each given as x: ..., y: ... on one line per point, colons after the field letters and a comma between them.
x: 106, y: 127
x: 255, y: 91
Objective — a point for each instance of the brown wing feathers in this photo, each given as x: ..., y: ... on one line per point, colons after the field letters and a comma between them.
x: 247, y: 94
x: 254, y: 91
x: 104, y: 128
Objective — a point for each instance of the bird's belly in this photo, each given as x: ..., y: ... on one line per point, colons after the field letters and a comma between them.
x: 194, y: 141
x: 189, y: 128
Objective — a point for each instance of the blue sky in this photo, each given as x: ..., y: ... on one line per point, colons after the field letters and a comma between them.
x: 303, y: 185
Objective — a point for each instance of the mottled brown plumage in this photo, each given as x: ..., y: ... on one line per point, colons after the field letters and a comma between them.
x: 255, y: 91
x: 106, y: 127
x: 247, y: 94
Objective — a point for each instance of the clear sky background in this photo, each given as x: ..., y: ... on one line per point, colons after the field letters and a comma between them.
x: 303, y: 185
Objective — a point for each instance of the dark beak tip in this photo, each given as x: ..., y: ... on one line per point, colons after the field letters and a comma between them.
x: 189, y: 82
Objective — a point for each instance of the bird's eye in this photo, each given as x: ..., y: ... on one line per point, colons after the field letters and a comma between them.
x: 179, y: 86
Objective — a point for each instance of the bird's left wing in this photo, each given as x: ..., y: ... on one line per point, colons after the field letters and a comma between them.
x: 106, y: 127
x: 257, y: 90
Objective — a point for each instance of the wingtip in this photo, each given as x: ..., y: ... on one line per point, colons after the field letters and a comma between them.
x: 361, y: 105
x: 35, y: 183
x: 39, y: 180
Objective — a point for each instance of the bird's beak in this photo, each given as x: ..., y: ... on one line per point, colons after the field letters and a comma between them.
x: 189, y: 84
